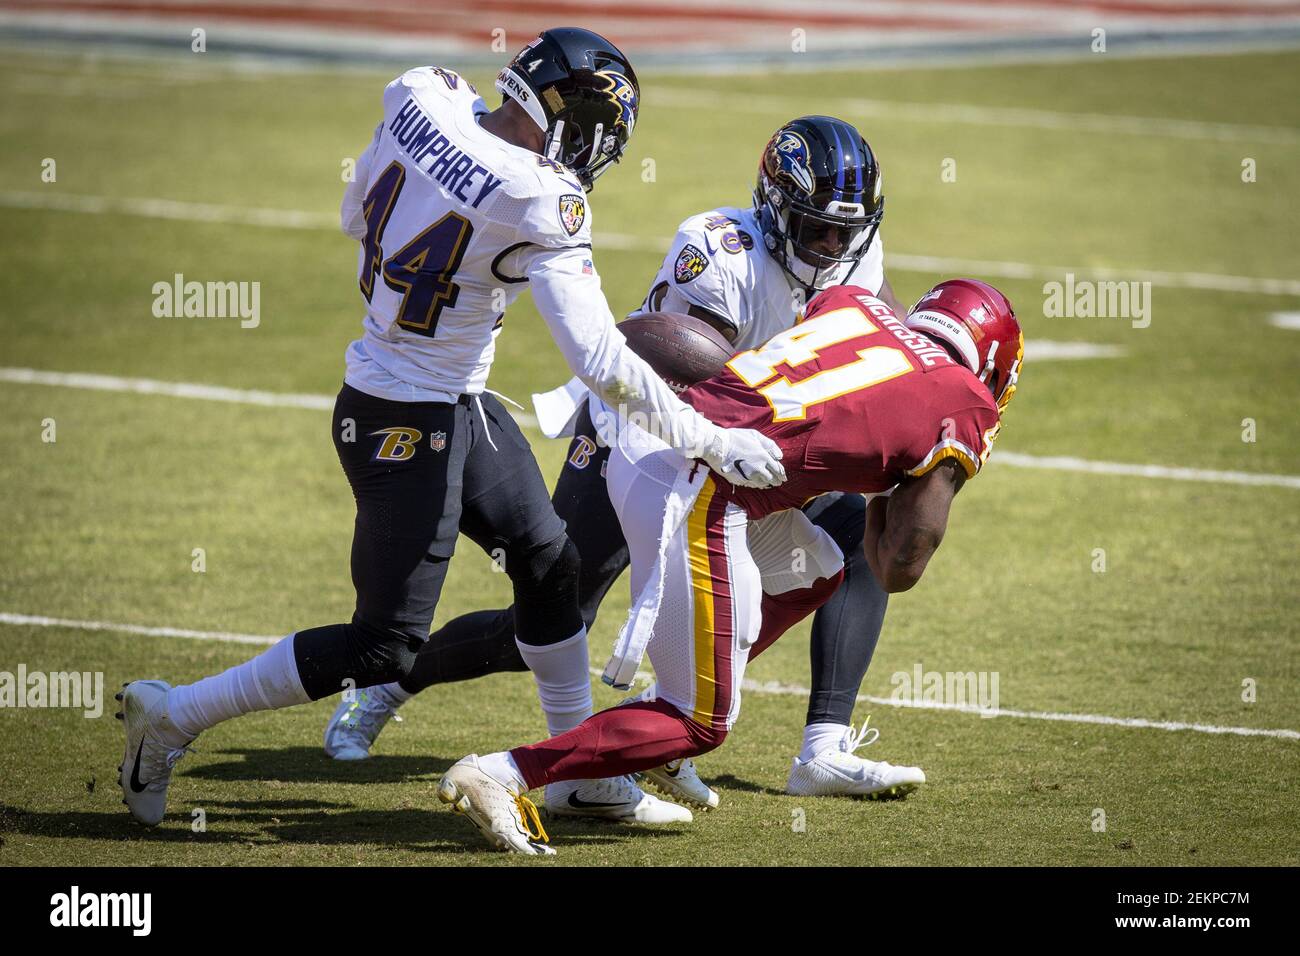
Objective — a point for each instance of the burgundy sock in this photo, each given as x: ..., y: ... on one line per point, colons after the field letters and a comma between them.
x: 620, y: 740
x: 783, y: 611
x: 648, y: 734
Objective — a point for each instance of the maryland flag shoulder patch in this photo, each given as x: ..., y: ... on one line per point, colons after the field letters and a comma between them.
x: 690, y: 263
x: 573, y: 212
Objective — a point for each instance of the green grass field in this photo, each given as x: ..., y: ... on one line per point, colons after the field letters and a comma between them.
x: 1200, y: 591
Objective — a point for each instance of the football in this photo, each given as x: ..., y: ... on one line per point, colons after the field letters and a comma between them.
x: 682, y: 349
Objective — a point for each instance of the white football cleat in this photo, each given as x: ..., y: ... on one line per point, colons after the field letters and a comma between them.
x: 146, y: 768
x: 356, y: 723
x: 507, y: 819
x: 841, y: 773
x: 678, y: 779
x: 616, y: 798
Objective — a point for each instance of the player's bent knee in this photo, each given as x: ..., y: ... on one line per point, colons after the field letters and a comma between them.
x: 704, y: 738
x: 359, y: 654
x: 382, y: 653
x: 546, y: 592
x: 556, y: 562
x: 823, y: 588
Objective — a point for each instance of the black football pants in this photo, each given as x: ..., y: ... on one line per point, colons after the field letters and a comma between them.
x: 420, y: 473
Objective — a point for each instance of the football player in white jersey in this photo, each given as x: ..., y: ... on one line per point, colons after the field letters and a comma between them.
x: 457, y: 208
x: 818, y: 203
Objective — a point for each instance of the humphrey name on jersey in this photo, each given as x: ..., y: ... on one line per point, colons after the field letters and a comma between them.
x: 75, y: 908
x: 459, y: 173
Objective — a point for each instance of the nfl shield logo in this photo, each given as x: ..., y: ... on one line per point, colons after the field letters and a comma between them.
x: 438, y: 441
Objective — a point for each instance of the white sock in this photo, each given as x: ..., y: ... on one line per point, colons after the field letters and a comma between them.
x: 818, y: 738
x: 502, y: 768
x: 268, y: 682
x: 563, y: 682
x: 395, y: 694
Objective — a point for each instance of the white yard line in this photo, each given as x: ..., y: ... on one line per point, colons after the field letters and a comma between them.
x: 1285, y: 320
x: 1045, y: 350
x: 149, y: 386
x: 148, y: 208
x: 945, y: 265
x: 970, y: 114
x: 793, y: 690
x: 36, y: 620
x: 772, y: 688
x: 218, y: 393
x: 1162, y: 472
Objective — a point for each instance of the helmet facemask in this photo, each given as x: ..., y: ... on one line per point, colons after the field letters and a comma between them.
x: 588, y: 152
x: 582, y: 93
x: 989, y: 375
x: 810, y: 258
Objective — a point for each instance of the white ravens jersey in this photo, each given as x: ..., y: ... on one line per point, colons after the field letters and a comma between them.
x: 443, y: 209
x: 718, y: 262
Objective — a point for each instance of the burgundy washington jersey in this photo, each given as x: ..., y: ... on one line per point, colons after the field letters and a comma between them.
x: 855, y: 400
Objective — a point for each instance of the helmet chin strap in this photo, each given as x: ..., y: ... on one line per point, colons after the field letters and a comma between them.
x: 555, y: 138
x: 988, y: 363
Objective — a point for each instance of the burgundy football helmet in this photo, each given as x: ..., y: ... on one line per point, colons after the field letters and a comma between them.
x: 978, y: 323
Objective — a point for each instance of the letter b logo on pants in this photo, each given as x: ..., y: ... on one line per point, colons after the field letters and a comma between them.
x: 398, y: 444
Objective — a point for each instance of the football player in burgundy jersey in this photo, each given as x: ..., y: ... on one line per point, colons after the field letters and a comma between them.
x: 815, y: 222
x: 859, y: 401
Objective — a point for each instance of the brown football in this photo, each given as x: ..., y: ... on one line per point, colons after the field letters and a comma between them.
x: 682, y: 349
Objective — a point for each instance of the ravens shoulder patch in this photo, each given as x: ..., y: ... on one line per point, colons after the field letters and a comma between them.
x: 573, y: 212
x: 690, y: 263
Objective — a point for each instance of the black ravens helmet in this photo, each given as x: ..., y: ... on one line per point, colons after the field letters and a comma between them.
x: 580, y: 89
x: 819, y: 199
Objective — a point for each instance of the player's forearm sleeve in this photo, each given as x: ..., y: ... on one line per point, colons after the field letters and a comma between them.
x: 573, y: 306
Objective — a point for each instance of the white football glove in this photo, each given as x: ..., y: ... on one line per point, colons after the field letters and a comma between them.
x: 746, y: 458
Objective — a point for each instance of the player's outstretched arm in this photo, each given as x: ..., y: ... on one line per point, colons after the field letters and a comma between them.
x: 904, y: 530
x: 568, y: 295
x: 352, y: 216
x: 888, y: 296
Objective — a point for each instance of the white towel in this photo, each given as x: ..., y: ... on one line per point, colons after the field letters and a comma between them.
x: 635, y: 635
x: 558, y: 409
x: 791, y: 552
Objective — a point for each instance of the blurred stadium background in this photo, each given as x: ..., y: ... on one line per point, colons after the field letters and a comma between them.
x: 1127, y: 566
x: 700, y: 37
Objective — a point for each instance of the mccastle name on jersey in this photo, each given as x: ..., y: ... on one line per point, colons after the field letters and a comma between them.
x: 922, y: 347
x: 433, y: 152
